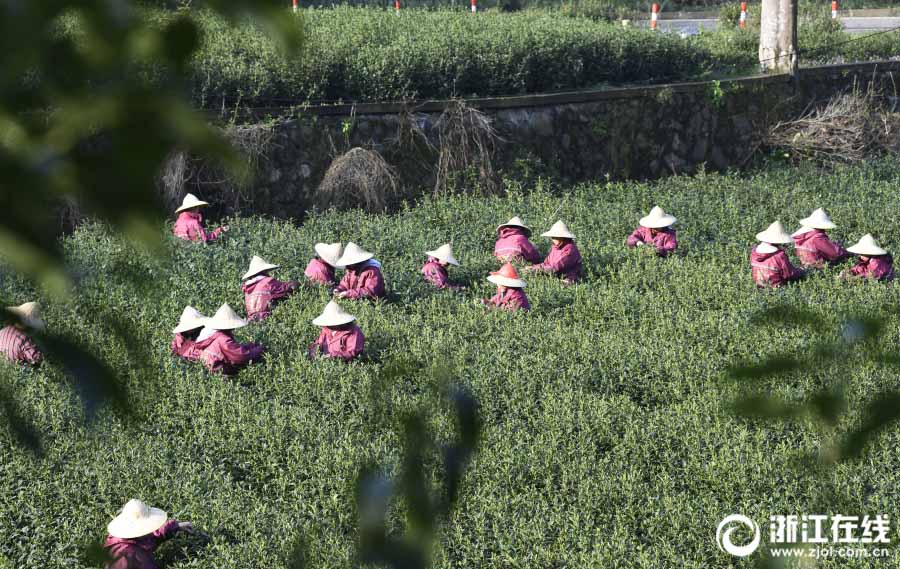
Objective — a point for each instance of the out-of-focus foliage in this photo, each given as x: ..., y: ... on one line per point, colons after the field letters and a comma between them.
x: 92, y: 99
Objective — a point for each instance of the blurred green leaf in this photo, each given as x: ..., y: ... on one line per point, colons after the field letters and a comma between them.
x: 878, y: 415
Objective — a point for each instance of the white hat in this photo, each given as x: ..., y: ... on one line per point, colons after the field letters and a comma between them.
x: 774, y: 234
x: 559, y: 230
x: 353, y: 254
x: 191, y: 318
x: 867, y: 246
x: 330, y: 253
x: 803, y: 229
x: 765, y: 248
x: 137, y: 519
x: 225, y: 319
x: 190, y: 201
x: 444, y: 253
x: 507, y: 276
x: 818, y: 220
x: 657, y: 218
x: 29, y: 314
x: 333, y: 315
x: 516, y: 221
x: 258, y: 265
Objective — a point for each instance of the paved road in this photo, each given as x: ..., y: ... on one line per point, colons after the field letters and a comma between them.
x: 854, y: 25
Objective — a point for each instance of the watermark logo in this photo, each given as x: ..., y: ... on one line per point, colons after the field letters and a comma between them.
x: 731, y: 524
x: 814, y: 535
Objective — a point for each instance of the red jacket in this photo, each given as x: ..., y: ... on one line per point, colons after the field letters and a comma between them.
x: 17, y: 347
x: 137, y: 552
x: 665, y: 240
x: 815, y: 248
x: 513, y: 244
x: 222, y: 354
x: 185, y: 348
x: 880, y: 268
x: 189, y: 226
x: 563, y: 261
x: 260, y: 294
x: 436, y: 274
x: 364, y: 282
x: 511, y: 299
x: 342, y: 343
x: 772, y: 269
x: 318, y: 271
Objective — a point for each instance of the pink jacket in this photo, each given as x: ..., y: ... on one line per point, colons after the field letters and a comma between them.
x: 318, y: 271
x: 815, y: 248
x: 879, y: 268
x: 511, y: 299
x: 665, y: 241
x: 189, y: 226
x: 185, y: 348
x: 563, y: 261
x: 772, y: 269
x: 18, y: 347
x: 342, y: 343
x: 261, y: 292
x: 366, y: 282
x: 436, y: 274
x: 513, y: 244
x: 137, y: 553
x: 222, y: 354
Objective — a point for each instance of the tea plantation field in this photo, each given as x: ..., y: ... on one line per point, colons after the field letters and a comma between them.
x: 607, y: 442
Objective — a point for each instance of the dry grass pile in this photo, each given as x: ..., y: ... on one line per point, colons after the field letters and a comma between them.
x: 466, y: 141
x: 358, y: 178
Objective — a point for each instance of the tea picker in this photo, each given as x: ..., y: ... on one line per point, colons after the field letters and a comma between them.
x: 811, y: 242
x: 874, y: 262
x: 510, y: 290
x: 136, y: 532
x: 321, y: 268
x: 15, y: 343
x: 340, y: 337
x: 655, y: 229
x: 512, y: 243
x: 435, y: 268
x: 564, y: 258
x: 362, y: 275
x: 189, y: 225
x: 769, y: 264
x: 262, y: 291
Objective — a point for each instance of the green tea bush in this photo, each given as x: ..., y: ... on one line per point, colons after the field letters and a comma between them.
x: 607, y: 440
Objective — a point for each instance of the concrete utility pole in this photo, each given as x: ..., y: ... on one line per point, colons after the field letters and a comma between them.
x: 778, y: 49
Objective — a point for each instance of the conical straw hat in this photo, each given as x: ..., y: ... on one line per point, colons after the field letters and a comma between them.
x: 774, y: 234
x: 803, y: 229
x: 516, y: 221
x: 225, y: 319
x: 29, y: 314
x: 444, y: 253
x: 818, y: 220
x: 867, y: 246
x: 258, y: 265
x: 333, y: 315
x: 559, y: 230
x: 657, y: 219
x: 507, y: 276
x: 353, y: 254
x: 137, y: 519
x: 766, y: 248
x: 191, y: 318
x: 330, y: 252
x: 190, y: 201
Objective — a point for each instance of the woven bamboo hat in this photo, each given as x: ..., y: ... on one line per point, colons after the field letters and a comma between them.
x: 559, y: 230
x: 515, y: 221
x: 353, y: 254
x: 803, y: 229
x: 507, y: 276
x: 225, y: 319
x: 774, y: 234
x: 191, y: 201
x: 258, y: 265
x: 867, y: 246
x: 135, y: 520
x: 191, y: 319
x: 333, y: 315
x: 329, y: 252
x: 29, y: 314
x: 444, y: 253
x: 818, y: 220
x: 657, y: 219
